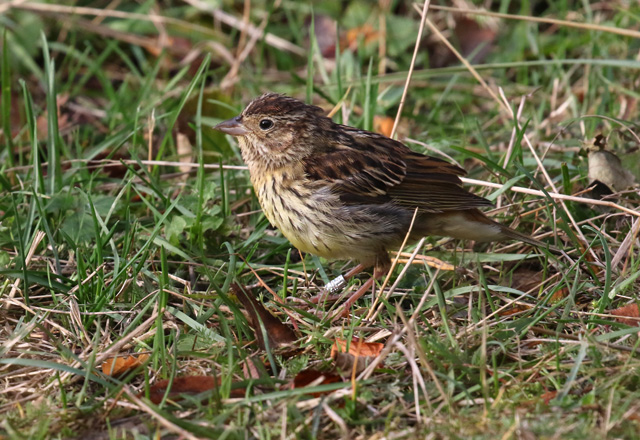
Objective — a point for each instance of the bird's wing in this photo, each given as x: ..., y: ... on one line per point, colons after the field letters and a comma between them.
x: 373, y: 169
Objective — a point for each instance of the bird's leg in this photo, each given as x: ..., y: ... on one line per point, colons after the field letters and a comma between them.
x: 381, y: 268
x: 355, y: 271
x: 340, y: 282
x: 336, y: 285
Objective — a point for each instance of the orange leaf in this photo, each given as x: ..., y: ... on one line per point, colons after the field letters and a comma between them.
x: 383, y: 125
x: 357, y: 347
x: 628, y: 314
x: 558, y: 295
x: 366, y: 32
x: 360, y: 353
x: 121, y: 365
x: 516, y: 308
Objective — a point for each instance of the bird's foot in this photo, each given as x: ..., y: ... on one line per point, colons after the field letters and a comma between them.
x: 343, y: 310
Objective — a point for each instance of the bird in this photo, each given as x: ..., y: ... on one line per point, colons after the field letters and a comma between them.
x: 344, y: 193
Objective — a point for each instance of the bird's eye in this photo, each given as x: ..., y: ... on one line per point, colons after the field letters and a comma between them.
x: 266, y: 124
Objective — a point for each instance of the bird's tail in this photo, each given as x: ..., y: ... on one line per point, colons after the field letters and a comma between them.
x: 511, y: 234
x: 504, y: 233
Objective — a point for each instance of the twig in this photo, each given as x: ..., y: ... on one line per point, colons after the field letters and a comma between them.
x: 425, y: 9
x: 230, y: 20
x: 553, y: 195
x: 579, y: 25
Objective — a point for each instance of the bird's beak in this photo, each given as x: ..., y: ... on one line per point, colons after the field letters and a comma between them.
x: 233, y: 127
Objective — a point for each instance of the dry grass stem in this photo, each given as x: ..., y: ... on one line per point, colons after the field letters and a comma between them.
x: 230, y: 20
x: 579, y: 25
x: 423, y: 18
x: 30, y: 253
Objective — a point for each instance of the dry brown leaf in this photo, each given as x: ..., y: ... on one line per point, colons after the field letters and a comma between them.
x: 252, y: 367
x: 278, y: 334
x: 64, y: 122
x: 635, y: 416
x: 306, y: 377
x: 476, y: 40
x: 187, y: 385
x: 628, y: 314
x: 516, y: 308
x: 360, y: 353
x: 325, y: 29
x: 549, y: 396
x: 119, y: 365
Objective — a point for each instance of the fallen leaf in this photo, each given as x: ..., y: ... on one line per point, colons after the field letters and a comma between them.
x: 187, y: 385
x: 548, y: 396
x: 559, y: 295
x: 325, y: 30
x: 366, y: 32
x: 360, y: 353
x: 64, y: 123
x: 119, y: 365
x: 605, y: 167
x: 475, y: 42
x: 516, y: 308
x: 475, y: 39
x: 254, y: 368
x: 635, y: 416
x: 383, y: 125
x: 628, y: 314
x: 309, y: 376
x: 278, y: 334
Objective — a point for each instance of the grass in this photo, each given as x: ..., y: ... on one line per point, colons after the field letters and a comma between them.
x: 126, y: 222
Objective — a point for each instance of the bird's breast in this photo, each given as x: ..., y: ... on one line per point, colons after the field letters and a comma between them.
x: 315, y: 220
x: 299, y: 210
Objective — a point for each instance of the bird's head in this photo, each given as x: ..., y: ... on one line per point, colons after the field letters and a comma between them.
x: 274, y: 130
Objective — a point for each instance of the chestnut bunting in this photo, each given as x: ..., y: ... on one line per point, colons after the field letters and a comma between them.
x: 344, y: 193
